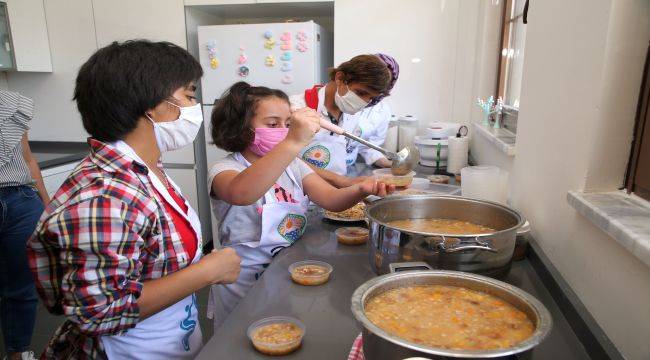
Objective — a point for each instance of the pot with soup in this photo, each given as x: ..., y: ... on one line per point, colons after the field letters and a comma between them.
x: 447, y: 232
x: 439, y: 314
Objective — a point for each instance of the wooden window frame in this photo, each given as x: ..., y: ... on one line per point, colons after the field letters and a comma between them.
x: 641, y: 134
x: 507, y: 18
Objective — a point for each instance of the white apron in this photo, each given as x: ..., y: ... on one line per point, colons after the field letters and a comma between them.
x: 172, y: 333
x: 283, y: 224
x: 327, y: 152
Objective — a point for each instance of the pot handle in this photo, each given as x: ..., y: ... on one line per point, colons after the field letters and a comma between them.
x: 454, y: 244
x: 405, y: 266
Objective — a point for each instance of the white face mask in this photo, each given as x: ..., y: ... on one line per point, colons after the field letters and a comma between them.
x: 173, y: 135
x: 350, y: 103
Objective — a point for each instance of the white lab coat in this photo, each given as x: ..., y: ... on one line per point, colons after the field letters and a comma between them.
x: 370, y: 124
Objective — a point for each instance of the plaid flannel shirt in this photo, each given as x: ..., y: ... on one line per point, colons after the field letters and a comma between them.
x: 101, y: 237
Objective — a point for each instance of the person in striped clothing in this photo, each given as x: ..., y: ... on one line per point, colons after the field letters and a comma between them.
x: 22, y: 195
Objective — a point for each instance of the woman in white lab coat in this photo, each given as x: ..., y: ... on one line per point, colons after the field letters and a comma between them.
x: 355, y: 87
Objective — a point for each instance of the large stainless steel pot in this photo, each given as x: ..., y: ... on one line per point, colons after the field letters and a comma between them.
x: 379, y: 344
x: 488, y: 254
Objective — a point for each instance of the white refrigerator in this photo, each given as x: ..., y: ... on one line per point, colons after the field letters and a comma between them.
x: 288, y: 56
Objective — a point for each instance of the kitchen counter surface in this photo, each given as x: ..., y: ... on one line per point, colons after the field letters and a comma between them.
x: 51, y: 154
x: 325, y: 309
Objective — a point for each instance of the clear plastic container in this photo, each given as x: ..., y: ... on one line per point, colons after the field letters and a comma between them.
x: 408, y: 128
x: 352, y: 235
x: 277, y: 335
x: 310, y: 272
x: 386, y: 176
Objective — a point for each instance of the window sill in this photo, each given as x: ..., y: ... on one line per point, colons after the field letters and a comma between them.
x: 502, y: 139
x: 624, y: 217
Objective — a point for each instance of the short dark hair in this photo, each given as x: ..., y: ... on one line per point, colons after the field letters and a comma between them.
x: 231, y: 117
x: 368, y: 70
x: 121, y: 81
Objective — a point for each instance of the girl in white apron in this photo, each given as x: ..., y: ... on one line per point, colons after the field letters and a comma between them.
x: 261, y: 191
x: 354, y: 85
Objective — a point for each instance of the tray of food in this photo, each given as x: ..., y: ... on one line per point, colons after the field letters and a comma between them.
x: 353, y: 214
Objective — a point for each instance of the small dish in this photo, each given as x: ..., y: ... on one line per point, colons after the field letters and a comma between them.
x: 439, y: 179
x: 352, y: 235
x: 386, y: 176
x: 276, y: 335
x: 310, y: 272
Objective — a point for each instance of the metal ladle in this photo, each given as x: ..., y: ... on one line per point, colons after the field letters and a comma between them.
x: 404, y: 160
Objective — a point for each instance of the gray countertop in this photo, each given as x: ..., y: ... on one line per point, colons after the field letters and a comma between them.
x: 325, y: 309
x: 50, y: 154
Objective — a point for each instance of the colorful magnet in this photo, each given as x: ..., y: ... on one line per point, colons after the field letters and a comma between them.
x: 242, y: 59
x: 268, y: 34
x: 286, y: 66
x: 269, y: 43
x: 269, y: 60
x: 243, y: 71
x: 212, y: 54
x: 286, y: 46
x: 286, y: 56
x: 302, y: 46
x: 287, y: 79
x: 301, y: 35
x: 286, y: 36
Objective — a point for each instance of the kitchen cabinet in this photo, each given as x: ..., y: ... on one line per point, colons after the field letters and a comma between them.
x: 24, y: 36
x: 157, y: 20
x: 185, y: 178
x: 55, y: 176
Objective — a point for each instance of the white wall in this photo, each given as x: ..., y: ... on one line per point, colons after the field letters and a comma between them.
x: 425, y: 29
x: 72, y: 39
x: 580, y: 87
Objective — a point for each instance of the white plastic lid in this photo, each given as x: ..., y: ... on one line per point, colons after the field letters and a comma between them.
x: 419, y: 140
x: 408, y: 118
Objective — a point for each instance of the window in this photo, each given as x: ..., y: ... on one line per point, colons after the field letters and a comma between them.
x: 513, y: 37
x: 637, y: 178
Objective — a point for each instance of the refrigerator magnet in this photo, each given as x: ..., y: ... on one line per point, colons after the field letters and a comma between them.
x: 302, y: 47
x: 269, y: 60
x: 269, y: 43
x: 243, y: 71
x: 286, y: 56
x: 287, y: 45
x: 268, y: 34
x: 286, y: 36
x: 287, y: 79
x: 301, y: 35
x: 286, y: 66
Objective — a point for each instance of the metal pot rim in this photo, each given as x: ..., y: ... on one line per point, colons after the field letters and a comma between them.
x: 542, y: 329
x: 376, y: 203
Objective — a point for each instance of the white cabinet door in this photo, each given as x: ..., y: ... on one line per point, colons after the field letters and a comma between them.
x: 186, y: 180
x: 29, y: 35
x: 55, y: 176
x: 157, y: 20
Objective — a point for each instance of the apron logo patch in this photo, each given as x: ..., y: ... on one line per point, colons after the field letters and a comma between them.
x: 188, y: 324
x: 318, y: 156
x: 292, y: 227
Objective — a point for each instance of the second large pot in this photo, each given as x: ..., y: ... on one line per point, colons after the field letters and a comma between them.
x: 488, y: 254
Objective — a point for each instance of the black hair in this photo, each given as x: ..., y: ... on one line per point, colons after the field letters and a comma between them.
x: 121, y: 81
x: 231, y: 117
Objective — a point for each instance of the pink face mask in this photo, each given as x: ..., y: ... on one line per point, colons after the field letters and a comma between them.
x: 266, y: 139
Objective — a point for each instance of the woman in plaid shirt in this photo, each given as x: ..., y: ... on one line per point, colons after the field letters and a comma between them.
x: 117, y: 251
